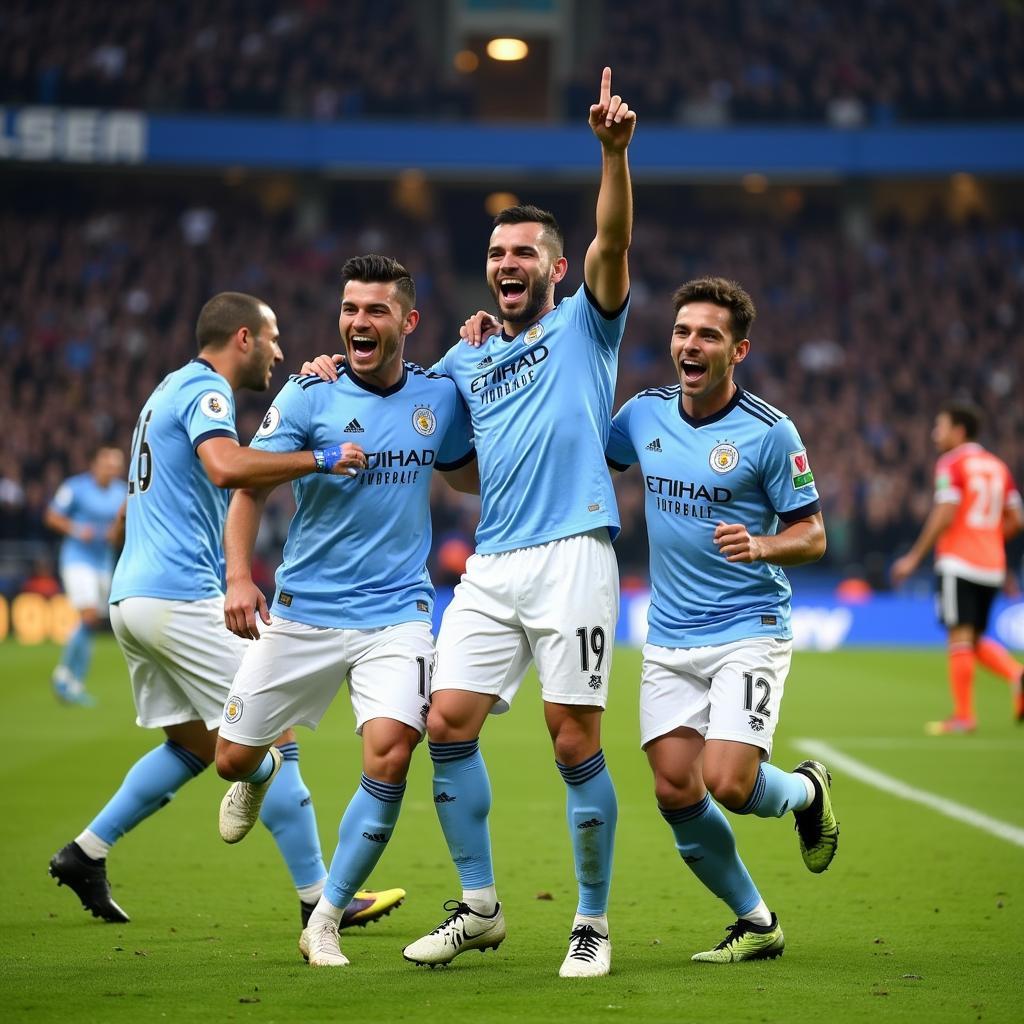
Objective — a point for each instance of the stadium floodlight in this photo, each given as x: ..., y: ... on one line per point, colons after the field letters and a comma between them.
x: 507, y: 49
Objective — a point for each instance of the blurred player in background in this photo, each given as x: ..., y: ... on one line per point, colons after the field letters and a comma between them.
x: 86, y: 511
x: 976, y: 509
x: 543, y: 584
x: 167, y: 602
x: 730, y: 498
x: 354, y: 600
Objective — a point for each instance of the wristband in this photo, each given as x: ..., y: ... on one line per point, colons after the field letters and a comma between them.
x: 326, y: 458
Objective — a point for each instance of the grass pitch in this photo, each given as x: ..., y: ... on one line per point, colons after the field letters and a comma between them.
x: 919, y: 918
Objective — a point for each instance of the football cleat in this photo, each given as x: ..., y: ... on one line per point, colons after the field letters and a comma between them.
x: 87, y: 879
x: 464, y: 929
x: 816, y: 825
x: 69, y: 689
x: 319, y: 946
x: 240, y: 808
x: 950, y: 726
x: 366, y: 907
x: 589, y: 956
x: 745, y: 940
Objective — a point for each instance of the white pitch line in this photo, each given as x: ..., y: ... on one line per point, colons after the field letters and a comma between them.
x: 954, y: 745
x: 950, y: 808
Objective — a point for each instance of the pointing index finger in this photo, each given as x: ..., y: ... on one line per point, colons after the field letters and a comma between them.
x: 606, y: 87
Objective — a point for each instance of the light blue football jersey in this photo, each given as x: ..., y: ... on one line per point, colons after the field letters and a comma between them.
x: 745, y: 464
x: 540, y: 405
x: 356, y: 553
x: 173, y: 534
x: 81, y: 499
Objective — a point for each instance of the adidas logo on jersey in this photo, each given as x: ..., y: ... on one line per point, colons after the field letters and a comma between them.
x: 486, y: 361
x: 655, y: 445
x: 354, y: 427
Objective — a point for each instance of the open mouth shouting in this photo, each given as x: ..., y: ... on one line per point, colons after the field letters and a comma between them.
x: 363, y: 346
x: 693, y: 372
x: 512, y: 289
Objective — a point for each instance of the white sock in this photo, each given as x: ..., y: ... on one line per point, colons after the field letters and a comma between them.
x: 325, y: 910
x: 811, y: 792
x: 92, y: 845
x: 481, y: 901
x: 759, y: 915
x: 599, y: 924
x: 311, y: 893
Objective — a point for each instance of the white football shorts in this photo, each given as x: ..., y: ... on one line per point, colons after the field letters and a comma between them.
x: 555, y: 604
x: 180, y: 656
x: 728, y: 692
x: 292, y: 673
x: 86, y: 586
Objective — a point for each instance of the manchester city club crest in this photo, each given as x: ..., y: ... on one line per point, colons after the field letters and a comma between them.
x: 215, y: 405
x: 533, y: 333
x: 724, y: 457
x: 270, y: 422
x: 233, y: 710
x: 424, y: 421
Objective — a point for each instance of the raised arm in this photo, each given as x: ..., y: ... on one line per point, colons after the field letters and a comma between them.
x: 228, y: 464
x: 606, y: 270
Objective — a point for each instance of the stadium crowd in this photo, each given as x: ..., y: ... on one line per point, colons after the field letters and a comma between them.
x: 859, y: 341
x: 848, y: 63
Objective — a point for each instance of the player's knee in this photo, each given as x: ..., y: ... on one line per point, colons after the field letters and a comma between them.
x: 573, y: 747
x: 676, y: 793
x: 236, y: 763
x: 447, y: 723
x: 391, y: 765
x: 729, y: 789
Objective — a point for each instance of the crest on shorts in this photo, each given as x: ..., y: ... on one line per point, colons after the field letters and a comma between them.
x: 215, y: 405
x: 800, y: 469
x: 233, y: 710
x: 270, y: 422
x: 756, y: 724
x: 724, y: 457
x: 533, y: 333
x: 424, y: 420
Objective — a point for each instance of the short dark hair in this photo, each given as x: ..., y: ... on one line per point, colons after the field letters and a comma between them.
x: 224, y: 314
x: 721, y: 292
x: 526, y: 214
x: 383, y: 270
x: 964, y: 414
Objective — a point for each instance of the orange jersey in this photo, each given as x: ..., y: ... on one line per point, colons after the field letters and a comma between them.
x: 981, y: 487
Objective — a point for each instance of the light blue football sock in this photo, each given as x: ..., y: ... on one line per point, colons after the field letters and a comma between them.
x: 706, y: 843
x: 462, y: 799
x: 148, y: 786
x: 775, y: 792
x: 365, y: 829
x: 592, y: 812
x: 263, y: 771
x: 77, y: 655
x: 288, y: 814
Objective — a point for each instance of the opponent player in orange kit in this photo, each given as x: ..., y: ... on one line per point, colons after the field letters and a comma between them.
x: 977, y: 509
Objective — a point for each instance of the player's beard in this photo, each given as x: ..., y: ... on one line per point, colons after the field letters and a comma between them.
x: 537, y: 292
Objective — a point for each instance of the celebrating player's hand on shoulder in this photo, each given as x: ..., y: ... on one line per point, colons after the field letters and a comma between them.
x: 611, y: 120
x: 323, y: 366
x: 479, y: 327
x: 735, y: 542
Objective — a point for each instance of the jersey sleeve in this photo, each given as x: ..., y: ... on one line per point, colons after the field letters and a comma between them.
x: 285, y: 427
x: 583, y: 312
x: 619, y: 450
x: 948, y: 482
x: 207, y: 410
x: 786, y: 474
x: 456, y: 448
x: 64, y: 500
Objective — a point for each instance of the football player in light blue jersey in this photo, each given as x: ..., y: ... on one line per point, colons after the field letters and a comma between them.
x: 543, y: 584
x: 86, y: 511
x: 729, y: 500
x: 167, y: 604
x: 353, y: 600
